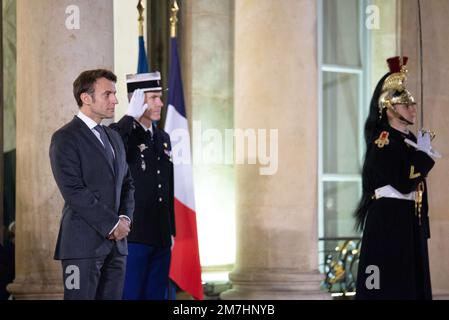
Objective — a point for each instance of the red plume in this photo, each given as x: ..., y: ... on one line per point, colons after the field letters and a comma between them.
x: 395, y: 64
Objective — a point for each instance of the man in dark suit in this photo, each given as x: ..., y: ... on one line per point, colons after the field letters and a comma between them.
x: 89, y: 164
x: 148, y: 151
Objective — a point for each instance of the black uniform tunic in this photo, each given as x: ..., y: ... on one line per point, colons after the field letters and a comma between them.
x: 151, y: 166
x: 396, y: 231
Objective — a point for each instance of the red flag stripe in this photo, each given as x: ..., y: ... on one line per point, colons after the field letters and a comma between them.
x: 185, y: 257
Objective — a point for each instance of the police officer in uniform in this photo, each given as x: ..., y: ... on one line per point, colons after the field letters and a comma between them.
x: 393, y: 211
x: 148, y: 152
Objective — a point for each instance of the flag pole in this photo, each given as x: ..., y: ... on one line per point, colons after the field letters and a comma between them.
x: 173, y: 19
x: 141, y: 19
x: 142, y: 63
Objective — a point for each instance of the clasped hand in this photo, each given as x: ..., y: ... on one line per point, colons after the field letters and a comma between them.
x: 121, y: 231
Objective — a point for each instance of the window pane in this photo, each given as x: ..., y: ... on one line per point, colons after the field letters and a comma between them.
x: 340, y: 123
x: 340, y: 201
x: 341, y: 32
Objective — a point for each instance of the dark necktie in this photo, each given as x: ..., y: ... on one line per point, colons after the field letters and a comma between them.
x: 106, y: 144
x: 149, y: 134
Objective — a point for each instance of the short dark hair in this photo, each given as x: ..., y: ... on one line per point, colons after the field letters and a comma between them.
x: 86, y: 81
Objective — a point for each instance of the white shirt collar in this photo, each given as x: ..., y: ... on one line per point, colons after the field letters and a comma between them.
x: 145, y: 128
x: 88, y: 121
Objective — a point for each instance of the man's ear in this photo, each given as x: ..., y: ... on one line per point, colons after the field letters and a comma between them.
x: 86, y: 98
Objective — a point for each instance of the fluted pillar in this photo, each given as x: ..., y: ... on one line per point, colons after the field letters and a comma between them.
x: 276, y: 88
x: 49, y: 57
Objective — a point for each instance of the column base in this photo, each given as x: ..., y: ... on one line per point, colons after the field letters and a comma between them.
x: 36, y: 290
x: 275, y: 285
x: 440, y: 295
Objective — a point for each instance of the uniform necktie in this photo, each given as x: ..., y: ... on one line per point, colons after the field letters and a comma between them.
x: 150, y: 137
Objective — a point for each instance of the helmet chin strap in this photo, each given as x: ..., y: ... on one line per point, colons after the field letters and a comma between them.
x: 397, y: 115
x: 405, y: 120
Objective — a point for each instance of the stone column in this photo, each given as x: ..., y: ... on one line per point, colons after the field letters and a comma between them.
x: 436, y: 115
x: 49, y: 58
x: 276, y: 88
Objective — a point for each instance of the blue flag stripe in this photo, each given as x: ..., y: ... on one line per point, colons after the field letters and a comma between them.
x: 142, y: 65
x: 176, y: 92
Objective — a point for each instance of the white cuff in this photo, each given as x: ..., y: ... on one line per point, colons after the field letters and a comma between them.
x: 126, y: 217
x: 115, y: 227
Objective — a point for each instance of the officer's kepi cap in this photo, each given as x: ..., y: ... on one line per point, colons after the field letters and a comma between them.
x: 145, y: 81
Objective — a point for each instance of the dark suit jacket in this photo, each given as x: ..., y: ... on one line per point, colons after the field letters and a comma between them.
x: 154, y: 216
x: 94, y: 194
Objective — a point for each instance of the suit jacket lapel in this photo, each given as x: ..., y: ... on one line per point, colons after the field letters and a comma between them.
x: 114, y: 144
x: 92, y: 139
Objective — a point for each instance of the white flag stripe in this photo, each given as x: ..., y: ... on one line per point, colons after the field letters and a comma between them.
x: 182, y: 172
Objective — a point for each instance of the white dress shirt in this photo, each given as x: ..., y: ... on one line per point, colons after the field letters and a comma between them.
x: 92, y: 124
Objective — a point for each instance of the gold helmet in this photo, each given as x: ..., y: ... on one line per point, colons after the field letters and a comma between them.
x: 394, y: 89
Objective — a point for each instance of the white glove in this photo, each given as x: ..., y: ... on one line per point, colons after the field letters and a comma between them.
x: 137, y: 105
x: 424, y: 144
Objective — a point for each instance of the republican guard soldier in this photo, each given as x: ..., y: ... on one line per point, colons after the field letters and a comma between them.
x: 393, y: 211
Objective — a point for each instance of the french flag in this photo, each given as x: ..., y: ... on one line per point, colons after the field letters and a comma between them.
x: 185, y: 268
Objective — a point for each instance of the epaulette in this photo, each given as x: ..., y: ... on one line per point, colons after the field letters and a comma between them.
x: 383, y: 139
